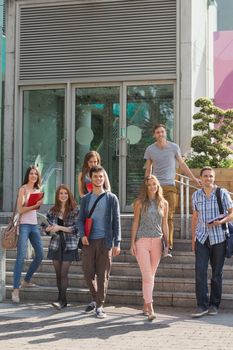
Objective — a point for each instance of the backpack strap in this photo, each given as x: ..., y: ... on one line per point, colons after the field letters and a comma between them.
x: 220, y: 206
x: 95, y: 203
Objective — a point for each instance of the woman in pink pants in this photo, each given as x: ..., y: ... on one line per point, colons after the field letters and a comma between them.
x: 150, y: 225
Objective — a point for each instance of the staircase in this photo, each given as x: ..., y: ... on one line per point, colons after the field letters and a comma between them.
x: 174, y: 282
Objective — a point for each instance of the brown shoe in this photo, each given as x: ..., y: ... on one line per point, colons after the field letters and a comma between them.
x: 25, y: 284
x: 145, y: 312
x: 151, y: 316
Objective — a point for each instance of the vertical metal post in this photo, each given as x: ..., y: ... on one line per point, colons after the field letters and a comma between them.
x: 2, y: 269
x: 2, y: 251
x: 1, y: 53
x: 182, y: 205
x: 187, y: 188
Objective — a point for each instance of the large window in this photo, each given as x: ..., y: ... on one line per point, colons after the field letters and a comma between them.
x: 43, y: 136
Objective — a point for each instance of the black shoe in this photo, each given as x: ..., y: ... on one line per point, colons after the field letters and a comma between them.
x: 59, y: 305
x: 199, y: 312
x: 169, y: 254
x: 90, y: 307
x: 63, y: 305
x: 212, y: 311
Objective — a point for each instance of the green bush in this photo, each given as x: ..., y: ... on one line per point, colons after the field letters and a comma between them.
x: 211, y: 147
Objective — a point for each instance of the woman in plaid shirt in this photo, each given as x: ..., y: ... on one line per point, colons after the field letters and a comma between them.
x: 63, y: 246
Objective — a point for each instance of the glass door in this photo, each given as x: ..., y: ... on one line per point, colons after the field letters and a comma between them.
x: 43, y: 136
x: 117, y: 122
x: 97, y: 118
x: 146, y: 106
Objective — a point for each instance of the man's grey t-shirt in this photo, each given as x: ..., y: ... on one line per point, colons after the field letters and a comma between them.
x: 163, y: 161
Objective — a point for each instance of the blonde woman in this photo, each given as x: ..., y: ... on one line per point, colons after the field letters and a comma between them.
x: 150, y: 226
x: 91, y: 159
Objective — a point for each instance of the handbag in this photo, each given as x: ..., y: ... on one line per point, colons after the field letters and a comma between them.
x: 11, y: 233
x: 89, y: 221
x: 88, y: 224
x: 229, y: 236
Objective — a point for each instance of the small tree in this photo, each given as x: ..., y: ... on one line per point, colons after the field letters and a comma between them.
x: 212, y: 146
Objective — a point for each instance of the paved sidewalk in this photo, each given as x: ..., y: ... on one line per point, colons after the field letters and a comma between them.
x: 38, y: 326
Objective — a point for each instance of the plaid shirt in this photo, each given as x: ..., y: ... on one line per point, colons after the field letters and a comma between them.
x: 72, y: 238
x: 207, y: 209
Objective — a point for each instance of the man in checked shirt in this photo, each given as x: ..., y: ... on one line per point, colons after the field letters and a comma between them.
x: 208, y: 241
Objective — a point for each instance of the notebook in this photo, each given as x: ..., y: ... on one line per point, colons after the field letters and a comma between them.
x: 219, y: 217
x: 34, y: 198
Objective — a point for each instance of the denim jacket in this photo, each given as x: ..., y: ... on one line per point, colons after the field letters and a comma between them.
x: 112, y: 219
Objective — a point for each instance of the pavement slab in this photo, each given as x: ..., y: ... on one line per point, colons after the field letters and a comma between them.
x: 39, y: 326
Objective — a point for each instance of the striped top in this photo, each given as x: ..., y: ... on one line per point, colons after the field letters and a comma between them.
x: 207, y: 209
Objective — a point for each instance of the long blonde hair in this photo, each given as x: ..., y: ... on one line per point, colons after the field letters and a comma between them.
x: 143, y: 197
x: 85, y: 168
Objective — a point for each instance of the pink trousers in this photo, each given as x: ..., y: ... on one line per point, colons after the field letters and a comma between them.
x: 148, y: 255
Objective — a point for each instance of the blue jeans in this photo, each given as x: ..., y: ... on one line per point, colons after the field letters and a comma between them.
x: 216, y: 255
x: 31, y: 232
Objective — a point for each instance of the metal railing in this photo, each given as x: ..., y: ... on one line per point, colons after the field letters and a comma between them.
x: 53, y: 168
x: 184, y: 204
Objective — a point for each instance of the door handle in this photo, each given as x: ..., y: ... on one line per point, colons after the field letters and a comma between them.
x: 118, y: 146
x: 128, y: 147
x: 122, y: 146
x: 62, y: 148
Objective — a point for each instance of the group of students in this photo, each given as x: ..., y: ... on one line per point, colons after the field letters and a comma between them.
x: 151, y: 232
x: 66, y: 228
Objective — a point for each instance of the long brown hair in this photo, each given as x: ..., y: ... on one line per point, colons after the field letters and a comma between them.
x: 85, y: 168
x: 37, y: 184
x: 144, y: 198
x: 70, y: 204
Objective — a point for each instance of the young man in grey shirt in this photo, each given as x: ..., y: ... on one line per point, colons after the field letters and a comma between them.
x: 161, y: 158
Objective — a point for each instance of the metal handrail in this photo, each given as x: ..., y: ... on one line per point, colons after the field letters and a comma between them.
x: 185, y: 186
x: 50, y: 170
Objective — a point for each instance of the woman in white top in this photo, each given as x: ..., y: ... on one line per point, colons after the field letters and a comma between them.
x: 28, y: 229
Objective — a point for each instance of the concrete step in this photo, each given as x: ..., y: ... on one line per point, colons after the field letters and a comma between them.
x: 126, y: 223
x: 4, y: 218
x: 128, y: 269
x: 162, y: 284
x: 179, y: 257
x: 116, y: 296
x: 179, y: 244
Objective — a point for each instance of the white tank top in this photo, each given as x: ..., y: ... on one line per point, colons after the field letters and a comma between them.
x: 30, y: 216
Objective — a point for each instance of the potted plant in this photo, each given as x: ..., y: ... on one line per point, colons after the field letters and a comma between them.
x: 211, y: 147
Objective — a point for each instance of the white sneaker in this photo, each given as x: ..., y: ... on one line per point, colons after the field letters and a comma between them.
x: 15, y: 298
x: 100, y: 313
